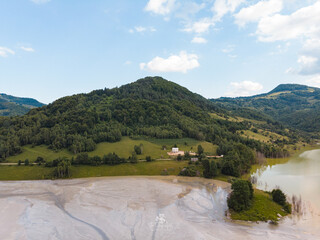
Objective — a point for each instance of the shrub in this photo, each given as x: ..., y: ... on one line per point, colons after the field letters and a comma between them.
x: 279, y: 197
x: 200, y: 150
x: 26, y: 162
x: 148, y: 159
x: 133, y: 158
x: 188, y: 171
x: 287, y: 208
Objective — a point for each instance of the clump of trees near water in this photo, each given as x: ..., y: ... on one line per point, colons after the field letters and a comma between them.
x: 242, y: 196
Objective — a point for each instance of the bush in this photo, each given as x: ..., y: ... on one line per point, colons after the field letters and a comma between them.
x: 138, y: 150
x: 187, y: 155
x: 200, y: 150
x: 26, y: 162
x: 287, y: 208
x: 148, y: 159
x: 241, y: 197
x: 188, y: 171
x: 279, y: 197
x: 133, y: 158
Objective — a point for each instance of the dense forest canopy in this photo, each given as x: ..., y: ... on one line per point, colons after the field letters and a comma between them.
x: 151, y: 107
x: 296, y: 106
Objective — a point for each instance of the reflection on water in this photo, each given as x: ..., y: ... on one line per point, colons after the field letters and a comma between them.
x: 300, y: 176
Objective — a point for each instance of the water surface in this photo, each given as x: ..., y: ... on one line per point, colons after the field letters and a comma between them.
x: 300, y: 176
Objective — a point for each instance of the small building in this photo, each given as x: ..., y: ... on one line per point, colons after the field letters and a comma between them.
x: 194, y: 159
x: 175, y: 150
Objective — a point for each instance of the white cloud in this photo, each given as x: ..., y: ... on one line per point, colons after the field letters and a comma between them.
x: 4, y: 52
x: 305, y: 22
x: 27, y: 49
x: 228, y: 49
x: 245, y: 88
x: 40, y: 1
x: 309, y: 65
x: 314, y: 81
x: 307, y: 60
x: 200, y: 26
x: 290, y: 70
x: 199, y: 40
x: 222, y: 7
x: 312, y: 46
x: 175, y: 63
x: 188, y: 10
x: 258, y: 11
x: 162, y: 7
x: 128, y: 62
x: 232, y: 56
x: 141, y: 29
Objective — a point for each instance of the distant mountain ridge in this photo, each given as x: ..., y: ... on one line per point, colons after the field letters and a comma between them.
x: 15, y: 106
x: 294, y: 105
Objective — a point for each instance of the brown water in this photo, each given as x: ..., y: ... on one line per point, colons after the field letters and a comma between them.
x: 300, y: 176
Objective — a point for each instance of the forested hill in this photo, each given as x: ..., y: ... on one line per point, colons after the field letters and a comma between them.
x: 151, y: 107
x: 14, y: 106
x: 294, y: 105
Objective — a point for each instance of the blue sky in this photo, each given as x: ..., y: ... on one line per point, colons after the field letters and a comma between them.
x: 53, y: 48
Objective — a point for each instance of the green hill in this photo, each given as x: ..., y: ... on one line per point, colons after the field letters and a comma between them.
x: 15, y: 106
x: 151, y: 109
x: 295, y: 106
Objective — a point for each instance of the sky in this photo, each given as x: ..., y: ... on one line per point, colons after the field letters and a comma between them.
x: 54, y: 48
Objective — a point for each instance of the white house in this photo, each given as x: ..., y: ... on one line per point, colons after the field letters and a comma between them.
x: 175, y: 150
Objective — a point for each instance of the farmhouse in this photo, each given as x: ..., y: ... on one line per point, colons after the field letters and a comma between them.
x: 175, y: 150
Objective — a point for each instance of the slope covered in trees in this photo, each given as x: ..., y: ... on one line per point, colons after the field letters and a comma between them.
x: 14, y: 106
x: 296, y: 106
x: 151, y: 107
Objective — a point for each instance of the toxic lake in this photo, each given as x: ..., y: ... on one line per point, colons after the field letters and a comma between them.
x: 132, y: 208
x: 300, y: 176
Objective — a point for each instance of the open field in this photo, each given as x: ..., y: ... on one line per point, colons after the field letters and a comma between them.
x: 261, y: 135
x: 32, y: 153
x: 127, y: 169
x: 124, y: 148
x: 263, y: 209
x: 25, y: 172
x: 235, y: 119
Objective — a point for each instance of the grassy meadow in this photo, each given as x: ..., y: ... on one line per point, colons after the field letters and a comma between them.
x: 127, y: 169
x: 123, y: 148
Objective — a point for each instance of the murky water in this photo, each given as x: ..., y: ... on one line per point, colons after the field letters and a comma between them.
x: 300, y: 176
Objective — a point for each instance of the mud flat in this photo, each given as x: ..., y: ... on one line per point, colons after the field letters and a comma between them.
x: 131, y: 208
